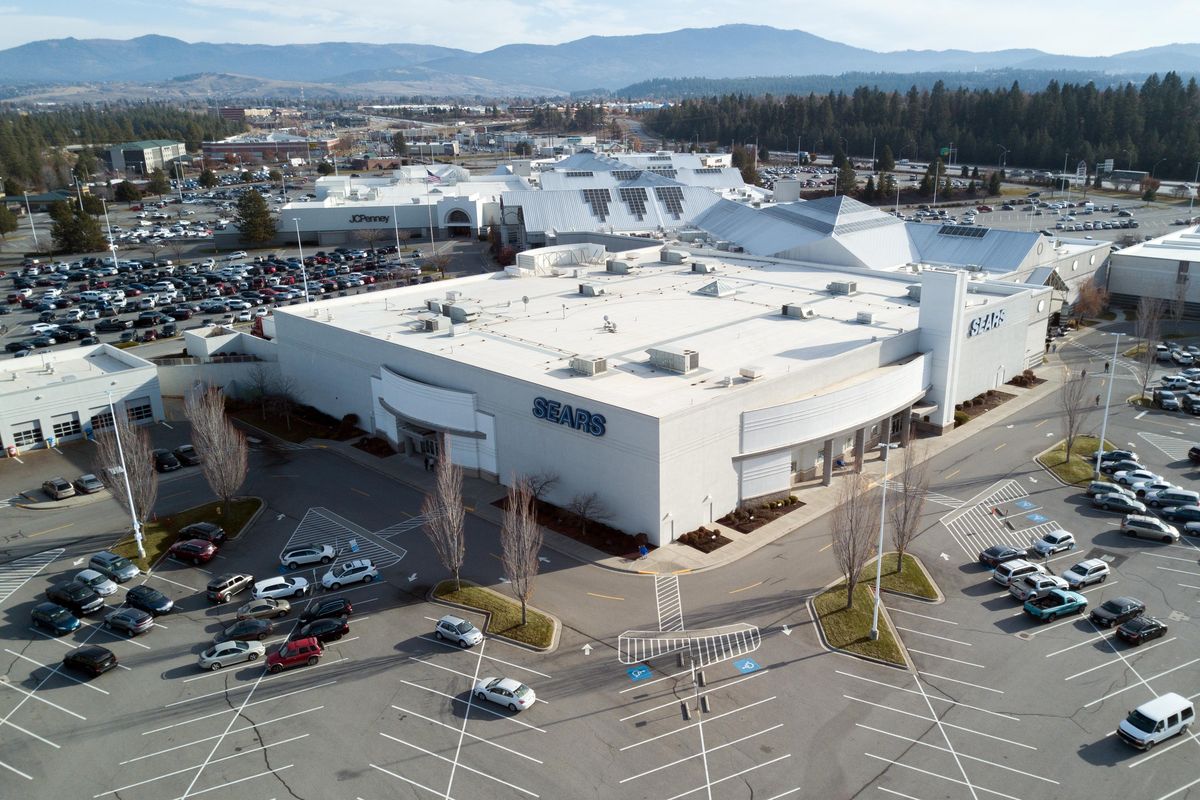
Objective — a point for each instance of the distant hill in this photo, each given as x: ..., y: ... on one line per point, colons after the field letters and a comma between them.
x: 594, y: 62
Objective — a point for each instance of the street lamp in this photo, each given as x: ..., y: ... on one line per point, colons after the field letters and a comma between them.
x: 1192, y: 194
x: 1155, y: 167
x: 112, y: 243
x: 29, y: 211
x: 137, y: 526
x: 1003, y: 155
x: 303, y: 266
x: 886, y: 447
x: 1112, y: 374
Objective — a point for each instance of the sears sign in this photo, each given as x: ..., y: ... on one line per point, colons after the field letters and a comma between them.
x: 577, y: 418
x: 986, y: 322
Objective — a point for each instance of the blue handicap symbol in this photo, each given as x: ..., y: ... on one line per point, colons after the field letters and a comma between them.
x: 638, y: 673
x: 1024, y: 504
x: 1036, y: 518
x: 746, y: 665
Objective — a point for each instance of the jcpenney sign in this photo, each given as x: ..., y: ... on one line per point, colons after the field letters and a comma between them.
x: 986, y: 323
x: 366, y: 218
x: 577, y: 418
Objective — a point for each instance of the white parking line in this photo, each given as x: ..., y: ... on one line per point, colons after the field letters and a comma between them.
x: 275, y: 771
x: 454, y: 763
x: 481, y: 708
x: 188, y: 769
x: 670, y: 764
x: 710, y: 719
x: 739, y: 774
x: 947, y: 724
x: 1158, y: 751
x: 712, y: 689
x: 1172, y: 558
x: 922, y: 616
x: 492, y: 640
x: 227, y: 710
x: 410, y: 712
x: 963, y: 755
x: 1107, y: 635
x: 1189, y: 586
x: 463, y: 731
x: 68, y: 645
x: 956, y: 680
x: 1043, y: 627
x: 1142, y: 680
x: 214, y: 736
x: 168, y: 580
x: 1180, y: 571
x: 54, y: 671
x: 644, y: 684
x: 1105, y: 585
x: 14, y: 769
x: 1185, y: 787
x: 946, y: 658
x: 931, y: 636
x: 893, y: 791
x: 33, y: 696
x: 41, y: 739
x: 1119, y: 659
x: 446, y: 796
x: 943, y: 777
x: 116, y: 635
x: 914, y: 691
x: 308, y: 670
x: 785, y: 794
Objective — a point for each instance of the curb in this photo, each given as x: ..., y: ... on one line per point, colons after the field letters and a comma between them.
x: 262, y: 507
x: 430, y: 598
x: 941, y: 598
x: 908, y: 665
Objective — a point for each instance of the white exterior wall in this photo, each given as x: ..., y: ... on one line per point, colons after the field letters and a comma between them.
x: 1142, y: 276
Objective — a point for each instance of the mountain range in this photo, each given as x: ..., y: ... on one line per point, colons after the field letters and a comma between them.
x: 594, y: 62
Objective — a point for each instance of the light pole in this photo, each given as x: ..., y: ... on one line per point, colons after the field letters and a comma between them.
x: 1003, y: 156
x: 1192, y: 194
x: 1112, y: 374
x: 137, y: 526
x: 112, y: 243
x: 886, y: 447
x: 303, y: 266
x: 1155, y: 167
x: 29, y: 211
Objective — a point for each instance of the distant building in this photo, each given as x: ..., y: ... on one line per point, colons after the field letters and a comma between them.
x: 270, y: 147
x: 1160, y: 268
x: 145, y: 156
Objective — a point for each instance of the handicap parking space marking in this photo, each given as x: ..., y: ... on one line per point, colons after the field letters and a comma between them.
x: 1038, y: 518
x: 746, y: 666
x: 1024, y: 505
x: 640, y: 673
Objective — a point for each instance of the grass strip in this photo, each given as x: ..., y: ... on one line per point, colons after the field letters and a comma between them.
x: 504, y: 614
x: 1080, y: 469
x: 160, y: 534
x: 911, y: 580
x: 849, y: 628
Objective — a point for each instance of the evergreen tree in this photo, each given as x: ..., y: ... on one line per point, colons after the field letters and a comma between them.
x: 324, y: 168
x: 93, y: 205
x: 887, y: 186
x: 158, y: 184
x: 13, y: 187
x: 847, y: 179
x: 975, y: 173
x: 208, y: 179
x: 73, y: 230
x: 399, y: 143
x: 126, y: 192
x: 254, y: 219
x: 764, y: 155
x: 886, y: 161
x: 966, y: 171
x: 993, y: 187
x: 8, y: 221
x: 947, y: 189
x: 925, y: 188
x: 869, y: 194
x: 839, y: 158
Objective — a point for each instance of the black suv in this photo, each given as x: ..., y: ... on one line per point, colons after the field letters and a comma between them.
x: 165, y: 461
x: 1194, y: 454
x: 330, y: 607
x: 203, y: 530
x: 76, y: 596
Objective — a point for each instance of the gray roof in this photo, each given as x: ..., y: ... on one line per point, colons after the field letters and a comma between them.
x: 994, y: 251
x: 569, y: 210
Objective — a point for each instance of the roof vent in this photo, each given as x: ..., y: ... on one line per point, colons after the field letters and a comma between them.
x: 589, y: 365
x: 842, y: 287
x: 703, y: 268
x: 914, y: 291
x: 798, y: 311
x: 674, y: 359
x: 865, y: 318
x: 752, y: 373
x: 433, y: 323
x: 434, y: 305
x: 453, y: 295
x: 466, y: 312
x: 672, y: 256
x: 618, y: 267
x: 592, y: 290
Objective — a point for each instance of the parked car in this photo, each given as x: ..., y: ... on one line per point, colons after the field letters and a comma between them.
x: 1088, y: 571
x: 119, y: 568
x: 1055, y: 541
x: 92, y: 659
x: 226, y: 585
x: 513, y: 695
x: 264, y: 608
x: 1015, y: 570
x: 245, y: 630
x: 1158, y: 720
x: 997, y: 554
x: 1194, y: 454
x: 1142, y: 629
x: 457, y: 630
x: 328, y: 629
x: 1055, y: 604
x: 1118, y: 501
x: 1188, y: 513
x: 1141, y: 488
x: 150, y: 600
x: 197, y: 551
x: 1172, y: 497
x: 315, y: 554
x: 58, y: 489
x: 223, y: 654
x: 1104, y: 487
x: 98, y: 582
x: 129, y: 620
x: 87, y: 484
x: 327, y: 607
x: 76, y: 596
x: 1149, y: 528
x: 54, y: 618
x: 360, y: 570
x: 1132, y: 476
x: 1117, y: 610
x: 165, y: 461
x: 295, y: 653
x: 207, y: 531
x: 1115, y: 455
x: 187, y: 455
x: 1124, y: 465
x: 1035, y: 585
x: 281, y: 586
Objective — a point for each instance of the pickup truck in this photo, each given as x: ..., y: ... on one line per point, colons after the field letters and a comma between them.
x: 1055, y: 604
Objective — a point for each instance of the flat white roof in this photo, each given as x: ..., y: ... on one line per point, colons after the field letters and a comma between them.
x: 1180, y: 245
x: 46, y: 368
x: 531, y: 327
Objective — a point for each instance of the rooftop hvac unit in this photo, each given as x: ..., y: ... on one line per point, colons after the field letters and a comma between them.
x: 434, y: 305
x: 914, y: 291
x: 618, y: 267
x: 589, y: 365
x: 591, y: 290
x: 842, y: 287
x: 672, y: 256
x: 723, y: 245
x: 674, y: 359
x: 703, y: 268
x: 798, y: 311
x: 465, y: 312
x: 453, y: 295
x: 752, y: 373
x: 865, y: 317
x: 433, y: 323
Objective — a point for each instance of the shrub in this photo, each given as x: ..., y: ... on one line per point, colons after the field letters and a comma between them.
x: 961, y: 418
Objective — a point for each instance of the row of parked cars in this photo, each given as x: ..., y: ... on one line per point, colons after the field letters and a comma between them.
x: 1135, y: 490
x: 59, y: 488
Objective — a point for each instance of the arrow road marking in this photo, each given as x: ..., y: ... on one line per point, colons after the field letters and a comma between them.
x: 543, y: 559
x: 587, y: 649
x: 278, y: 517
x: 787, y: 631
x: 77, y: 562
x: 412, y: 577
x: 945, y: 557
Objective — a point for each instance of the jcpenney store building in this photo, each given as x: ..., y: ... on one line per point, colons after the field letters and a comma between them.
x: 673, y: 385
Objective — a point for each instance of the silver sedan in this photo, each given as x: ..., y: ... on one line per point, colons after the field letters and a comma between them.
x: 226, y: 653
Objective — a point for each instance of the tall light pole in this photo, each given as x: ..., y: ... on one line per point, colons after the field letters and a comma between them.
x: 1192, y: 194
x: 29, y: 211
x: 1112, y: 375
x: 137, y: 525
x: 303, y: 266
x: 887, y: 447
x: 1003, y: 156
x: 1155, y: 167
x: 112, y: 243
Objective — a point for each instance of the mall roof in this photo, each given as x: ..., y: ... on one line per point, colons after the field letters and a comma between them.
x: 531, y: 327
x: 1180, y: 245
x: 644, y: 205
x: 46, y: 368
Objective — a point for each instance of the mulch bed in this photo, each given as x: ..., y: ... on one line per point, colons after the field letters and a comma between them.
x: 380, y: 448
x: 596, y: 534
x: 704, y: 540
x: 991, y: 400
x: 750, y: 519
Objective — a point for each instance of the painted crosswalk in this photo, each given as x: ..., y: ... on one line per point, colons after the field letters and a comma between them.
x: 16, y: 574
x: 669, y: 603
x: 349, y: 540
x: 979, y: 524
x: 933, y: 497
x: 1172, y: 446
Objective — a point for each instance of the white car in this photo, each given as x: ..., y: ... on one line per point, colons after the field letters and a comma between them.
x: 284, y: 586
x: 1054, y: 542
x: 457, y: 630
x: 513, y: 695
x: 1091, y: 570
x: 243, y: 316
x: 319, y: 554
x: 1129, y: 477
x: 360, y: 569
x: 1142, y: 488
x: 42, y: 327
x: 226, y: 653
x: 97, y: 581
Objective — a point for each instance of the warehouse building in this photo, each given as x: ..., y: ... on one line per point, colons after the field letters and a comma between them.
x: 1160, y: 268
x: 142, y: 158
x: 271, y: 148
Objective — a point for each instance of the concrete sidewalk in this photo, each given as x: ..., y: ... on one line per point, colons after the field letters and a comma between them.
x: 480, y: 496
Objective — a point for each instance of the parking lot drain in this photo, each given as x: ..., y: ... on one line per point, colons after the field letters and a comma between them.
x: 1023, y: 635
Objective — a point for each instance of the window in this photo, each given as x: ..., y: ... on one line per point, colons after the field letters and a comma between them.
x: 139, y: 409
x: 626, y: 174
x: 66, y: 425
x: 101, y: 419
x: 1092, y: 260
x: 25, y: 434
x: 708, y: 171
x: 1074, y: 265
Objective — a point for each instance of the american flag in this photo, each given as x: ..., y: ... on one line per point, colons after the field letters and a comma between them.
x: 430, y: 177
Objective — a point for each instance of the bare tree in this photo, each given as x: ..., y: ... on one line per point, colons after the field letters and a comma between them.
x: 905, y: 512
x: 444, y: 514
x: 370, y: 236
x: 1091, y: 301
x: 588, y: 507
x: 520, y: 542
x: 541, y: 484
x: 222, y: 447
x: 1147, y: 331
x: 284, y: 397
x: 439, y: 262
x: 1073, y: 399
x: 260, y: 388
x: 855, y: 524
x: 139, y: 466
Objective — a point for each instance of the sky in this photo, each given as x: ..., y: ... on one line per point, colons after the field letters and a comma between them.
x: 1071, y: 27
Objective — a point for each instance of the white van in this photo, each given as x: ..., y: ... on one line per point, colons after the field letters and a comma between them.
x: 1158, y: 720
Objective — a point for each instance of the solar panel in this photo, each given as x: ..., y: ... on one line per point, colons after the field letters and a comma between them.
x: 578, y: 174
x: 598, y: 199
x: 708, y: 171
x: 666, y: 172
x: 659, y: 158
x: 967, y: 231
x: 635, y: 198
x: 626, y: 174
x: 672, y: 198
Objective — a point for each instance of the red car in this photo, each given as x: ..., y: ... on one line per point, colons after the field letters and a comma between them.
x: 197, y: 551
x: 294, y: 654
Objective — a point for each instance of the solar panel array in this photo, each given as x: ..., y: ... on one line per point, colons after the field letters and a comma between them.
x: 967, y: 231
x: 666, y: 172
x: 659, y: 158
x: 672, y: 198
x: 708, y: 171
x: 634, y: 197
x: 598, y: 199
x: 579, y: 174
x: 626, y: 174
